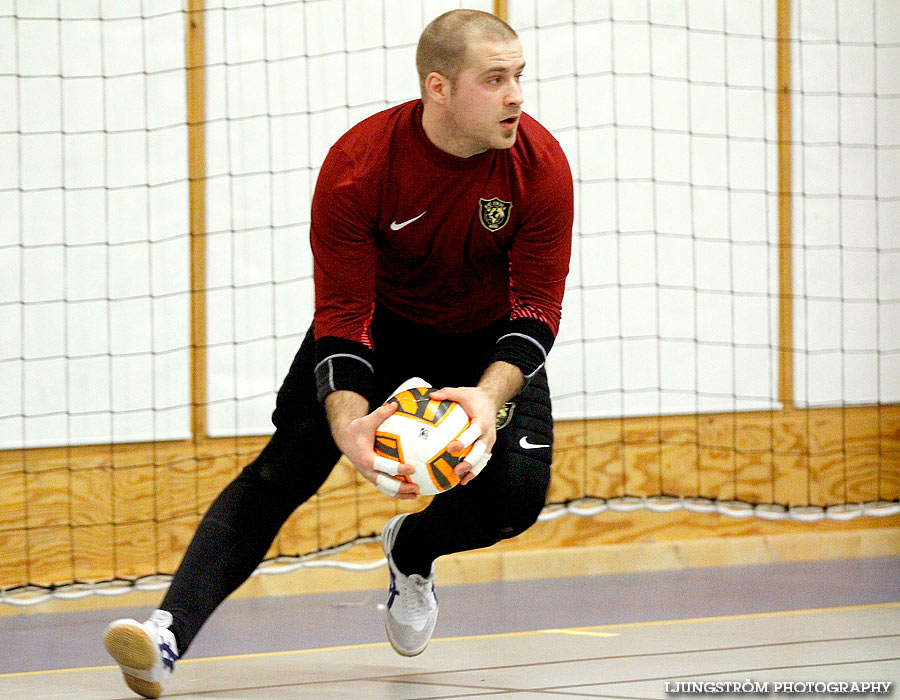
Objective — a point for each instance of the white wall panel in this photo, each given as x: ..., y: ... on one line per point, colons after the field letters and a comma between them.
x: 93, y: 225
x: 846, y: 168
x: 665, y: 109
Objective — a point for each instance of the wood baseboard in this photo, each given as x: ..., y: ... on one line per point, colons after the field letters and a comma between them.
x: 517, y: 563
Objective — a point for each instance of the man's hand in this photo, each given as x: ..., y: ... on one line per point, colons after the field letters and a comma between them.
x: 499, y: 383
x: 354, y: 433
x: 479, y: 406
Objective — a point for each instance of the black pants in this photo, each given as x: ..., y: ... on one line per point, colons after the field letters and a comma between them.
x: 241, y: 524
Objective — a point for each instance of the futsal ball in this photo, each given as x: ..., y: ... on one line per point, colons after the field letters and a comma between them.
x: 418, y: 433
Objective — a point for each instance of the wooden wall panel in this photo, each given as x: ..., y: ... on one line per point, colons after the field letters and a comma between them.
x: 790, y: 478
x: 569, y: 470
x: 14, y: 562
x: 12, y: 496
x: 134, y: 495
x: 134, y: 549
x: 91, y: 496
x: 173, y: 537
x: 678, y: 455
x: 94, y: 552
x: 645, y: 527
x: 109, y: 511
x: 176, y: 489
x: 48, y: 495
x: 50, y: 555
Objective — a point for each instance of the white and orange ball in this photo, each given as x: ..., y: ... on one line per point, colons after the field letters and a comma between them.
x: 419, y: 434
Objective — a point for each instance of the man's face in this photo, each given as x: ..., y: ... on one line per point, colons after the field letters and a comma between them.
x: 486, y: 102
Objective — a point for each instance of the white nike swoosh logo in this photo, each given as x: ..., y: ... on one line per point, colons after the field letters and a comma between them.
x: 396, y: 227
x: 525, y: 445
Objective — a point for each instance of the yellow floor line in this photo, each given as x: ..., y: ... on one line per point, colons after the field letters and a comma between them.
x: 750, y: 616
x: 593, y: 630
x: 583, y: 632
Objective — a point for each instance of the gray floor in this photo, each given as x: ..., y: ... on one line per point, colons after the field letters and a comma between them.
x: 607, y: 636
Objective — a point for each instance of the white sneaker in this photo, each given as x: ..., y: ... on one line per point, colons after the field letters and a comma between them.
x: 146, y: 652
x: 412, y: 606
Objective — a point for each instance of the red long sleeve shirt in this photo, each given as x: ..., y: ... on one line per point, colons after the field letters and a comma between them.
x: 452, y: 243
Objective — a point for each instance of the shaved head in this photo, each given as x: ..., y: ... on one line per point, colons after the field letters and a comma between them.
x: 443, y: 46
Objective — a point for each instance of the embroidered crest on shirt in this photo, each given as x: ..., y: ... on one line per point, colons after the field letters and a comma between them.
x: 504, y: 415
x: 494, y: 213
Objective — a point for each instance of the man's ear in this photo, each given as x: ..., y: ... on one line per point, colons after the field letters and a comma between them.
x: 437, y: 87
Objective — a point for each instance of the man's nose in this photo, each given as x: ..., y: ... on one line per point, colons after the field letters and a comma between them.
x: 515, y: 97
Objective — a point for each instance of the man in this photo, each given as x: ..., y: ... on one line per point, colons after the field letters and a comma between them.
x: 441, y: 234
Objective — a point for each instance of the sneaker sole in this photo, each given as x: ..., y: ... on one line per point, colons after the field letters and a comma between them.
x: 403, y: 652
x: 130, y: 646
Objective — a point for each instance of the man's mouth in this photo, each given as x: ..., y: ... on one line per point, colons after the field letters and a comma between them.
x: 510, y: 121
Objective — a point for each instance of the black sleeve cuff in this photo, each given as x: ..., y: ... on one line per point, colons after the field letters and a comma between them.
x: 525, y: 343
x: 343, y: 364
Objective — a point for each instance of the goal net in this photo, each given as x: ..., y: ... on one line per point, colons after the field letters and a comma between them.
x: 731, y: 330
